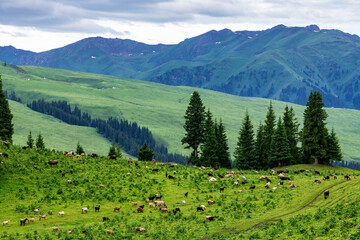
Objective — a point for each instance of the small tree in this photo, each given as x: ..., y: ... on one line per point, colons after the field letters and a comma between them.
x: 79, y: 148
x: 118, y: 151
x: 40, y: 142
x: 30, y: 141
x: 334, y: 149
x: 112, y: 150
x: 145, y: 153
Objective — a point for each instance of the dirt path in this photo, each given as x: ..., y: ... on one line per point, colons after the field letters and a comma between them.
x: 279, y: 216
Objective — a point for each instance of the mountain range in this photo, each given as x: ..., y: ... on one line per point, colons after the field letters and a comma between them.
x: 283, y: 63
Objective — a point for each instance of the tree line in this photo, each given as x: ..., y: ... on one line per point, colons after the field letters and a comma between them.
x: 129, y: 135
x: 274, y: 143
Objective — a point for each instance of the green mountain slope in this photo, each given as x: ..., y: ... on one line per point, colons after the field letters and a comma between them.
x: 282, y: 63
x: 159, y: 107
x: 302, y: 210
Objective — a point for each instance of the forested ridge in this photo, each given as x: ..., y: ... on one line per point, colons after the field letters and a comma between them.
x: 129, y: 135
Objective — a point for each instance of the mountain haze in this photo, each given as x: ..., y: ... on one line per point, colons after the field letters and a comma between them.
x: 283, y: 63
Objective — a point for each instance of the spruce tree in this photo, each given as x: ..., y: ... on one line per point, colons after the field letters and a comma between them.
x: 79, y: 148
x: 30, y: 140
x: 209, y: 147
x: 222, y: 146
x: 245, y: 150
x: 314, y: 133
x: 112, y: 150
x: 280, y: 150
x: 292, y: 132
x: 40, y: 142
x: 194, y: 126
x: 145, y: 153
x: 118, y: 151
x: 260, y: 146
x: 334, y: 149
x: 269, y: 129
x: 6, y: 126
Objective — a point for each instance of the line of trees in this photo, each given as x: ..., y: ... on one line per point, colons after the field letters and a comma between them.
x: 277, y: 143
x: 346, y: 164
x: 129, y: 135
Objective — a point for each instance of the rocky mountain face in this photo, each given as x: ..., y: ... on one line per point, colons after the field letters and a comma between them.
x: 283, y: 63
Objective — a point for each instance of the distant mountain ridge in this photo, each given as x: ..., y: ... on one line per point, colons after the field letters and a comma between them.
x: 283, y: 63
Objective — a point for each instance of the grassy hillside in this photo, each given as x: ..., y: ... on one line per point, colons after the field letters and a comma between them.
x: 300, y: 212
x: 160, y: 107
x: 57, y: 134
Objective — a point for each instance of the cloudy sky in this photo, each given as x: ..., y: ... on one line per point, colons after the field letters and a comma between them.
x: 40, y: 25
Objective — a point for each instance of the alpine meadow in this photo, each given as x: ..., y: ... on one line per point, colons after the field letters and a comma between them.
x: 200, y: 148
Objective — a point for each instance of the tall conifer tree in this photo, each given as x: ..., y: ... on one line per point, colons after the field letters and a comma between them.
x: 222, y: 147
x: 314, y: 133
x: 245, y: 150
x: 269, y: 129
x: 209, y: 147
x: 6, y: 126
x: 292, y: 132
x: 194, y: 126
x: 280, y: 150
x: 260, y: 146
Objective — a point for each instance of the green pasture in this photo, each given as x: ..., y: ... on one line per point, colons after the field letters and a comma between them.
x: 239, y: 215
x: 159, y: 107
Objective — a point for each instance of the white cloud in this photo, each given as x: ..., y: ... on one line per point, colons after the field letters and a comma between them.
x: 43, y: 24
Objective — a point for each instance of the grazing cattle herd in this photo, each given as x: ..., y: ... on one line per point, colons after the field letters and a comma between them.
x: 155, y: 200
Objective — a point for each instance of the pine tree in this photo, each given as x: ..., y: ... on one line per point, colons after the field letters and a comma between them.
x: 79, y: 148
x: 6, y: 126
x: 209, y: 147
x: 222, y: 146
x: 145, y: 153
x: 292, y: 132
x: 269, y: 129
x: 314, y: 133
x: 334, y: 149
x: 112, y: 150
x: 245, y: 150
x: 280, y: 150
x: 194, y: 126
x: 30, y: 141
x: 260, y: 146
x: 118, y: 151
x: 40, y: 142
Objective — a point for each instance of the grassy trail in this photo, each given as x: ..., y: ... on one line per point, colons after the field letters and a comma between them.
x: 295, y: 210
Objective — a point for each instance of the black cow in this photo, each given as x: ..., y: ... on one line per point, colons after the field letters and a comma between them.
x: 326, y: 193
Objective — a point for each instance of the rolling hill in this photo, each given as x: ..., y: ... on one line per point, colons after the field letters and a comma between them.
x: 279, y: 212
x: 159, y: 107
x: 282, y: 63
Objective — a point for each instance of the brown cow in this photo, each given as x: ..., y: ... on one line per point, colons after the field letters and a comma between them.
x: 53, y: 162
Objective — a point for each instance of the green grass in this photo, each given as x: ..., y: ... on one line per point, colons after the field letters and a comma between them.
x: 159, y: 107
x: 24, y: 188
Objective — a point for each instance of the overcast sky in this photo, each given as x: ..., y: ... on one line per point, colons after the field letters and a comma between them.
x: 40, y: 25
